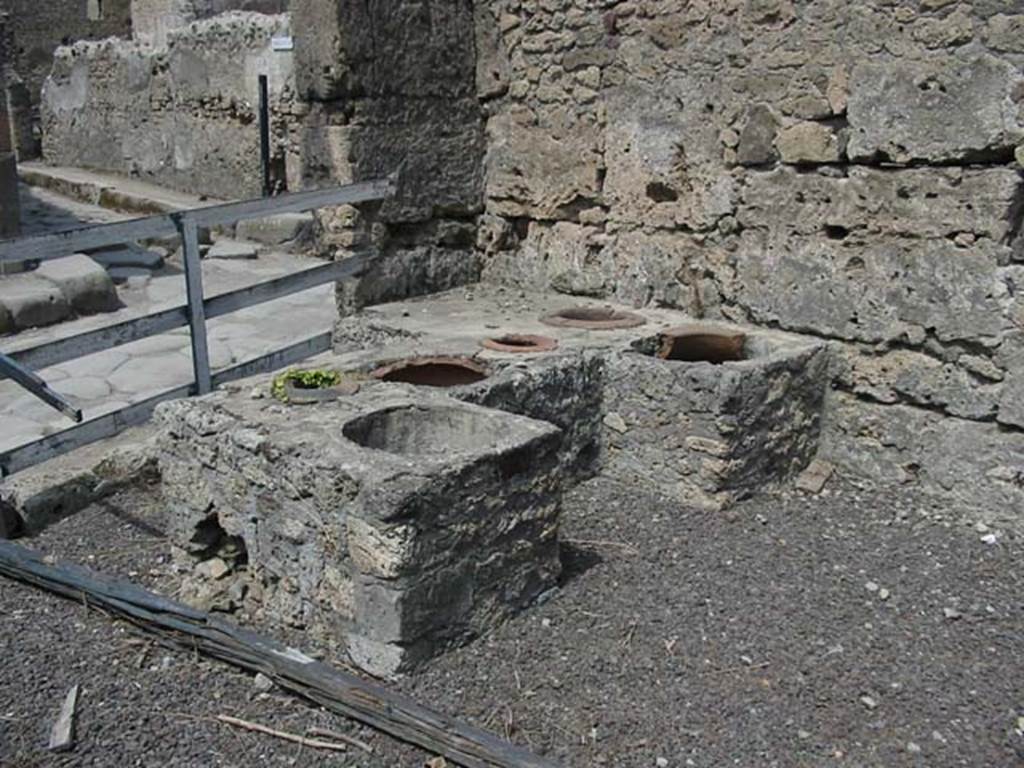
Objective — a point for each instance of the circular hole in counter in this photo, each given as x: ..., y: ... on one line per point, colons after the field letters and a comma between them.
x: 520, y: 343
x: 702, y: 344
x: 593, y: 318
x: 434, y: 371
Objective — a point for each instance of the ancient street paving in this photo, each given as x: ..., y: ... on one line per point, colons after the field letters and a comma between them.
x: 110, y: 380
x: 866, y: 626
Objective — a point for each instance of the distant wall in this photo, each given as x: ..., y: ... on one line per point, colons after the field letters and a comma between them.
x: 40, y: 26
x: 184, y: 115
x: 152, y: 20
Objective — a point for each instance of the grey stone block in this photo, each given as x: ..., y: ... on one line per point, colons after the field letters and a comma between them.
x: 86, y: 286
x: 31, y: 301
x: 710, y: 433
x: 284, y: 228
x: 950, y: 110
x: 401, y: 523
x: 232, y: 249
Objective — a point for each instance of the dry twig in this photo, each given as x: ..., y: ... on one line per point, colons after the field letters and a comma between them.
x: 293, y: 737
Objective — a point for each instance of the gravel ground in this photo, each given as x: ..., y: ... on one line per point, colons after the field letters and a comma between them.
x: 863, y: 627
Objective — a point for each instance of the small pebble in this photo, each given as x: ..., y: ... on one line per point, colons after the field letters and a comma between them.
x: 883, y: 594
x: 913, y: 748
x: 989, y: 538
x: 661, y: 762
x: 868, y: 702
x: 545, y: 622
x: 951, y: 613
x: 262, y: 683
x: 871, y: 586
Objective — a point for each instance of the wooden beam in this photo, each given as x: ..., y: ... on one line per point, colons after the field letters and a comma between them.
x: 338, y: 691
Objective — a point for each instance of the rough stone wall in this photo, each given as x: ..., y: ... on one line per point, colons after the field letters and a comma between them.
x: 153, y: 20
x: 184, y: 115
x: 844, y: 170
x: 391, y: 87
x: 40, y: 27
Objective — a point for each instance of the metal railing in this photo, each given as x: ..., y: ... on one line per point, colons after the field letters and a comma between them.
x: 20, y: 365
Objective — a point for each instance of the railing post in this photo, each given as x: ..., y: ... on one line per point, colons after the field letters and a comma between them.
x: 196, y: 310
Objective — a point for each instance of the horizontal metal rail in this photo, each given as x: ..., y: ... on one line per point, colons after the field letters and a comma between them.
x: 110, y: 424
x: 60, y: 244
x: 89, y: 342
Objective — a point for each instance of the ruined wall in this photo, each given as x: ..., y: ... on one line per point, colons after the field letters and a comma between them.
x: 391, y: 87
x: 844, y: 170
x: 184, y: 115
x: 153, y: 20
x: 40, y: 26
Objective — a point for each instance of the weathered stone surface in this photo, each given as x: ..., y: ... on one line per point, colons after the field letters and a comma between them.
x: 972, y: 463
x: 808, y: 143
x: 180, y: 114
x: 400, y: 524
x: 30, y: 301
x: 86, y: 286
x: 709, y: 434
x: 959, y: 110
x: 757, y: 138
x: 232, y: 249
x: 283, y: 228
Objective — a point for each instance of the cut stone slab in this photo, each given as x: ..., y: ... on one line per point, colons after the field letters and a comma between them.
x: 31, y: 301
x: 276, y: 230
x: 128, y: 256
x: 954, y: 110
x: 232, y: 249
x: 85, y: 284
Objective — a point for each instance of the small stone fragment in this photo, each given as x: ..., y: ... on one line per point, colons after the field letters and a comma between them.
x: 661, y: 762
x: 262, y: 683
x: 913, y: 748
x: 871, y: 586
x: 951, y: 613
x: 615, y: 422
x: 814, y: 477
x: 868, y: 702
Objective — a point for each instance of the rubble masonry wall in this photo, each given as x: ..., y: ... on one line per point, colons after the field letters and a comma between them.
x: 184, y: 115
x: 843, y: 170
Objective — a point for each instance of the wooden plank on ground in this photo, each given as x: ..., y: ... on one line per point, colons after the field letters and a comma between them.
x: 342, y: 693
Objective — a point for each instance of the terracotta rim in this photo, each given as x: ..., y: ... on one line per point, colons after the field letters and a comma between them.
x: 593, y: 318
x: 433, y: 371
x: 520, y: 343
x: 702, y: 343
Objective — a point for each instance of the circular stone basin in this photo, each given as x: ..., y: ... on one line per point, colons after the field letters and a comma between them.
x: 520, y: 342
x: 441, y: 371
x: 414, y: 430
x: 593, y: 318
x: 700, y: 343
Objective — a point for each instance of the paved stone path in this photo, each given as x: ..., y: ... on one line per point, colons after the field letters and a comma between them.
x: 110, y: 380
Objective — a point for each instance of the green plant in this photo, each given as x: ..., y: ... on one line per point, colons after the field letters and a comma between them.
x: 303, y: 379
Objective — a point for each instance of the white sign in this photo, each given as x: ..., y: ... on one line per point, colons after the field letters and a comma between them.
x: 283, y: 43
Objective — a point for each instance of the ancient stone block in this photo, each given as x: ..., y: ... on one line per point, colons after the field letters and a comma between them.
x: 711, y: 431
x: 972, y: 463
x: 86, y: 286
x: 872, y: 291
x: 757, y: 137
x: 400, y: 525
x: 958, y: 110
x: 808, y: 142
